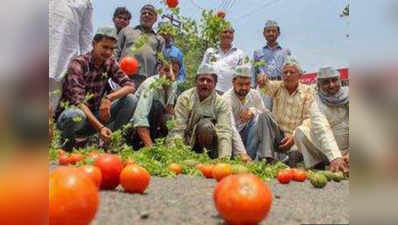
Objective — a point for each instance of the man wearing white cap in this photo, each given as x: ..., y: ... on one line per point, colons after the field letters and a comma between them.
x: 292, y: 101
x: 225, y: 59
x: 203, y: 118
x: 247, y: 105
x: 324, y: 138
x: 272, y: 55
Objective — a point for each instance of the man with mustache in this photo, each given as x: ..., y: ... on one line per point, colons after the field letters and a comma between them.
x: 203, y: 118
x: 292, y: 101
x: 85, y: 108
x: 146, y: 42
x: 273, y: 57
x: 225, y: 59
x: 121, y: 19
x: 155, y: 104
x: 324, y: 138
x: 247, y: 105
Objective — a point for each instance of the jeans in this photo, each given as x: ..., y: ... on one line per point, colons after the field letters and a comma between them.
x: 250, y: 137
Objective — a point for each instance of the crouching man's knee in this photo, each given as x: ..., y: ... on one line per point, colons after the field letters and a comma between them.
x: 71, y: 120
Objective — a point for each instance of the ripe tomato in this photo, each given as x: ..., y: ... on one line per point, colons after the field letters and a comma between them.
x: 299, y: 175
x: 221, y: 170
x: 93, y: 155
x: 242, y: 199
x: 75, y: 158
x: 221, y: 14
x: 199, y: 166
x: 93, y: 172
x: 73, y: 197
x: 129, y: 65
x: 110, y: 166
x: 128, y: 162
x: 64, y: 160
x: 135, y: 179
x: 175, y: 168
x: 284, y: 176
x: 207, y: 170
x: 172, y: 3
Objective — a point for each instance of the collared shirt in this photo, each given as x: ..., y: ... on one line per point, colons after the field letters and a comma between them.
x: 273, y: 58
x: 173, y: 50
x: 225, y: 64
x: 146, y: 94
x: 145, y: 55
x: 70, y: 33
x: 252, y: 101
x: 289, y: 111
x: 189, y: 110
x: 329, y: 127
x: 85, y: 83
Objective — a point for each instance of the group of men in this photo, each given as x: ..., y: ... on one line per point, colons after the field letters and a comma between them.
x: 239, y: 109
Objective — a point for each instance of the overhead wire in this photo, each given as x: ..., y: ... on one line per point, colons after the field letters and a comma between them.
x: 256, y: 10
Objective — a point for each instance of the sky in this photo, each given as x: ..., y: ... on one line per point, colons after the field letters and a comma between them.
x: 312, y: 29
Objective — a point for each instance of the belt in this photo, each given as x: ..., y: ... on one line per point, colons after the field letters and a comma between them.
x: 274, y: 78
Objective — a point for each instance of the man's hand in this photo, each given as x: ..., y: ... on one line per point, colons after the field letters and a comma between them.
x: 261, y: 79
x: 245, y: 157
x: 105, y: 110
x: 346, y: 158
x: 246, y: 115
x: 105, y: 134
x: 338, y: 164
x: 286, y: 143
x: 170, y: 109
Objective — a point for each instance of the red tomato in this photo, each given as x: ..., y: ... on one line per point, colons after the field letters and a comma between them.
x: 221, y: 170
x: 129, y: 65
x: 284, y: 176
x: 221, y: 14
x: 110, y: 166
x: 76, y: 157
x: 207, y: 170
x: 242, y: 199
x: 93, y: 172
x: 64, y: 160
x: 172, y: 3
x: 299, y: 175
x: 73, y: 197
x: 175, y: 168
x: 135, y: 179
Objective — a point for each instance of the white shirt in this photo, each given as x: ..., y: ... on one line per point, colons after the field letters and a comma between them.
x: 253, y: 102
x: 225, y: 64
x: 70, y: 33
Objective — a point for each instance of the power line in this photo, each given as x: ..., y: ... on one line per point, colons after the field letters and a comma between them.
x: 193, y: 3
x: 252, y: 12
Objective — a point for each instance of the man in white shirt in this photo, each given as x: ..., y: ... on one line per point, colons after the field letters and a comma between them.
x: 225, y: 59
x: 71, y: 31
x: 324, y: 138
x: 247, y: 105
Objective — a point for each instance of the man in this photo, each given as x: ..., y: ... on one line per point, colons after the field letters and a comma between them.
x: 84, y: 108
x: 292, y: 101
x: 170, y: 48
x: 155, y: 104
x: 247, y: 105
x: 324, y: 139
x: 272, y: 55
x: 143, y: 43
x: 121, y: 19
x: 70, y: 30
x: 225, y: 58
x: 203, y: 118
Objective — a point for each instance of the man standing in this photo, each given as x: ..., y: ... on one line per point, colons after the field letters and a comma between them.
x: 155, y: 104
x: 203, y: 118
x: 272, y: 55
x: 121, y: 19
x: 225, y: 59
x: 324, y: 139
x: 143, y: 43
x: 70, y: 30
x: 171, y: 49
x: 292, y: 101
x: 247, y: 105
x: 84, y: 108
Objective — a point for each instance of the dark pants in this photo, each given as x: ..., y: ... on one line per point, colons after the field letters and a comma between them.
x: 138, y: 79
x: 271, y: 134
x: 206, y: 137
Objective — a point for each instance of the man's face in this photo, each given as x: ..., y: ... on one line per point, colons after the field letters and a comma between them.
x: 330, y: 85
x: 121, y: 21
x: 165, y: 70
x: 290, y: 76
x: 104, y: 49
x: 241, y: 86
x: 205, y: 84
x: 147, y: 18
x: 227, y: 36
x: 271, y: 34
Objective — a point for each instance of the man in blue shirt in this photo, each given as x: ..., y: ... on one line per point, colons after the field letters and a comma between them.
x: 272, y: 55
x: 171, y: 49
